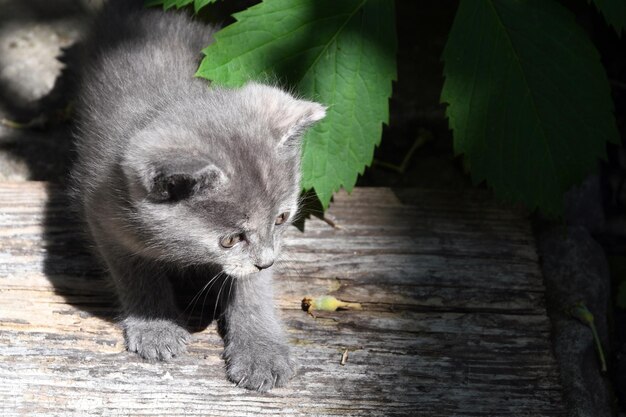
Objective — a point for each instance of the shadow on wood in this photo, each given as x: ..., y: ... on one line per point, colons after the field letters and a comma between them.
x: 83, y: 282
x: 69, y: 264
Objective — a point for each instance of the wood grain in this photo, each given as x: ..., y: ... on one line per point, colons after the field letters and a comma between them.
x: 453, y: 320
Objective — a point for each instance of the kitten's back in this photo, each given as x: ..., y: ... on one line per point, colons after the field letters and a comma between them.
x: 135, y: 62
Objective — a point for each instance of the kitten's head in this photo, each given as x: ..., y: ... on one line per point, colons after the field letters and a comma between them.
x: 216, y: 180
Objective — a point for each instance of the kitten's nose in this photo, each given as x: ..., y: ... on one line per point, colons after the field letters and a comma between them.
x: 264, y: 265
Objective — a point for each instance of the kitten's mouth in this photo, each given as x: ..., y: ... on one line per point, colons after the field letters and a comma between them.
x: 241, y: 272
x: 265, y: 265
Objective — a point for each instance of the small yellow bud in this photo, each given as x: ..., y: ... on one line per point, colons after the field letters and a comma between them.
x: 580, y: 311
x: 327, y: 303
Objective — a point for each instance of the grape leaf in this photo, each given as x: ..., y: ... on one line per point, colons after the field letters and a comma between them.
x: 168, y: 4
x: 199, y: 4
x: 528, y: 100
x: 614, y: 12
x: 340, y: 53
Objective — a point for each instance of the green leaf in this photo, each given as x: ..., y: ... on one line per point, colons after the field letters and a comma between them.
x: 199, y: 4
x: 529, y: 101
x: 168, y: 4
x: 614, y: 12
x: 340, y: 53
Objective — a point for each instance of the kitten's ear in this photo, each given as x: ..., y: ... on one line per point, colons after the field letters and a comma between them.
x: 174, y: 179
x: 296, y: 119
x: 289, y: 117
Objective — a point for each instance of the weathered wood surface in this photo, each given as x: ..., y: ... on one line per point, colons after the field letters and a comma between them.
x: 453, y: 321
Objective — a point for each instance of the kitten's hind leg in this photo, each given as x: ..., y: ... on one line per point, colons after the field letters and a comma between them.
x: 150, y: 313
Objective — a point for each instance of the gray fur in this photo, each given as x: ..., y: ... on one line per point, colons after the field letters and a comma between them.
x: 167, y: 167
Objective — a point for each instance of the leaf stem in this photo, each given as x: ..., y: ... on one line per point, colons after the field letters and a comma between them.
x: 599, y: 347
x: 581, y: 312
x: 422, y: 137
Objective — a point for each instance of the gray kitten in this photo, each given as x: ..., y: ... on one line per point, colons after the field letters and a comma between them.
x: 173, y: 176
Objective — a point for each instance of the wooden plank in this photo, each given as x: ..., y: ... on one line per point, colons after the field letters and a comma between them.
x: 453, y: 320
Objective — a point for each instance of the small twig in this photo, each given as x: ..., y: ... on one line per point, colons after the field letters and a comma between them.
x: 599, y: 347
x: 42, y: 120
x: 582, y: 313
x: 423, y: 137
x: 36, y: 122
x: 388, y: 165
x: 331, y: 221
x: 344, y: 357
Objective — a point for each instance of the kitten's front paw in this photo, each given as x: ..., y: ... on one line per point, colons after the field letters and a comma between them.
x: 259, y: 367
x: 155, y: 339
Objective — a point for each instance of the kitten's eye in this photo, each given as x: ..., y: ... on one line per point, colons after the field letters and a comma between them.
x: 230, y: 241
x: 282, y: 218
